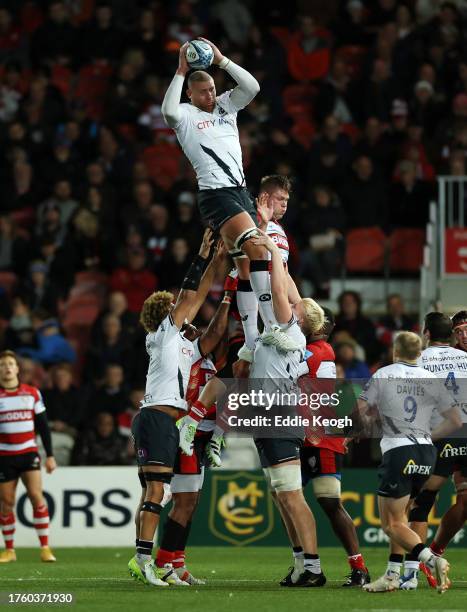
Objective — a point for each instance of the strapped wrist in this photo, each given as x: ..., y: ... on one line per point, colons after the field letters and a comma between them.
x: 224, y: 63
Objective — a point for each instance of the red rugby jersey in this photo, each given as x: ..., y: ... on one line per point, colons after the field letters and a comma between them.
x: 201, y: 371
x: 17, y: 411
x: 320, y: 360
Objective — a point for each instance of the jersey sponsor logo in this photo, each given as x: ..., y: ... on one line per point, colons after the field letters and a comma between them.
x: 412, y: 468
x: 18, y: 415
x: 281, y: 241
x: 187, y: 351
x: 244, y: 318
x: 241, y: 508
x: 209, y: 123
x: 265, y: 297
x: 453, y: 451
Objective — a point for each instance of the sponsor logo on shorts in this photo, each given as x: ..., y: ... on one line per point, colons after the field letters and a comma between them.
x: 452, y: 451
x: 142, y: 453
x: 413, y: 468
x: 265, y: 297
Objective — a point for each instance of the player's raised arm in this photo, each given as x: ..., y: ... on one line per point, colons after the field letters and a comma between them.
x: 171, y: 102
x: 188, y: 293
x: 279, y: 283
x: 247, y: 87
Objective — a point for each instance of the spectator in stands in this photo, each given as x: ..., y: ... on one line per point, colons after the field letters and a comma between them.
x: 336, y: 95
x: 394, y: 320
x: 379, y: 91
x: 425, y: 110
x: 13, y: 247
x: 235, y: 19
x: 62, y: 199
x: 353, y: 368
x: 360, y: 328
x: 64, y: 402
x: 174, y: 266
x: 113, y: 347
x: 186, y: 222
x: 111, y: 396
x: 137, y: 214
x: 39, y: 290
x: 323, y: 229
x: 135, y: 280
x: 331, y: 134
x: 148, y: 38
x: 328, y: 168
x: 56, y: 39
x: 101, y: 445
x: 101, y: 39
x: 64, y: 163
x: 20, y: 331
x: 52, y: 346
x: 117, y: 306
x: 409, y: 198
x: 51, y: 225
x: 157, y: 235
x: 360, y: 193
x: 374, y: 144
x: 308, y: 51
x: 32, y: 373
x: 124, y: 419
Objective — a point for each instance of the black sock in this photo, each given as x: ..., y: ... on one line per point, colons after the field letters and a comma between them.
x: 410, y: 557
x: 137, y: 542
x: 393, y: 558
x: 144, y: 547
x: 181, y: 545
x: 171, y: 535
x: 297, y: 549
x: 416, y: 550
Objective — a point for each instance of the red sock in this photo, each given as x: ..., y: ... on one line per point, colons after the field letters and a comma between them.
x: 436, y: 549
x: 197, y: 411
x: 179, y: 558
x: 357, y: 562
x: 164, y: 556
x: 7, y: 521
x: 41, y: 523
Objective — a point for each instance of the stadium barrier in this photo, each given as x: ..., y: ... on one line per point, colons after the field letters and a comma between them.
x: 94, y: 507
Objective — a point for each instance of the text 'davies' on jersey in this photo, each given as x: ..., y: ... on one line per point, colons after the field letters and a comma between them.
x: 17, y: 411
x: 450, y: 365
x: 170, y: 360
x: 211, y: 143
x: 406, y: 396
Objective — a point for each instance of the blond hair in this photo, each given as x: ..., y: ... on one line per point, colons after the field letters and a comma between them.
x: 313, y: 317
x: 155, y: 308
x: 407, y: 345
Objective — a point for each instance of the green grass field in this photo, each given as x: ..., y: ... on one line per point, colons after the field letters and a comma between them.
x: 238, y: 579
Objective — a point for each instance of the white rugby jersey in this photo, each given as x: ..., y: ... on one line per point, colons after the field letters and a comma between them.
x: 170, y: 360
x: 211, y: 143
x: 17, y: 411
x: 281, y: 369
x: 449, y: 364
x: 406, y: 396
x: 279, y: 237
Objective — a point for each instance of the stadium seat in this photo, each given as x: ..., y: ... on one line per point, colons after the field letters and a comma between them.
x: 406, y: 249
x: 298, y: 94
x: 162, y: 161
x: 354, y: 56
x: 82, y: 310
x: 303, y: 132
x: 8, y: 281
x: 365, y: 250
x: 91, y: 88
x: 282, y: 35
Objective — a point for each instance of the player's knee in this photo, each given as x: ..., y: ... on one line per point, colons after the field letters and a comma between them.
x: 285, y: 478
x: 330, y: 505
x: 7, y: 505
x: 327, y: 487
x: 422, y: 505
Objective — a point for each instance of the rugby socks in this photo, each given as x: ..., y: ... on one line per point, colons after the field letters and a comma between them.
x: 411, y: 565
x: 247, y: 304
x: 261, y: 284
x: 423, y: 554
x: 357, y: 562
x: 298, y: 558
x: 312, y: 563
x: 436, y: 549
x: 197, y: 412
x: 394, y: 565
x: 41, y: 523
x: 143, y: 552
x: 8, y: 523
x: 169, y: 544
x: 179, y: 556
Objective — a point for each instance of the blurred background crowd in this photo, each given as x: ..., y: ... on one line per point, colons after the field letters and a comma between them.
x: 362, y: 104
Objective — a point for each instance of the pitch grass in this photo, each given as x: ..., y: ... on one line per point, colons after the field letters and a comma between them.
x: 239, y: 579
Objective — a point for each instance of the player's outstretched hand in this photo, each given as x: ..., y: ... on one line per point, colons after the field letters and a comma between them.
x: 183, y: 67
x: 50, y: 465
x: 265, y: 208
x: 218, y: 57
x: 206, y: 244
x: 264, y: 240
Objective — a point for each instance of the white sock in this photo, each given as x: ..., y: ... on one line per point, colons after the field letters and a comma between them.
x: 393, y: 568
x: 411, y: 566
x: 141, y: 559
x: 218, y: 432
x: 261, y: 283
x: 313, y: 565
x: 248, y: 309
x: 298, y: 558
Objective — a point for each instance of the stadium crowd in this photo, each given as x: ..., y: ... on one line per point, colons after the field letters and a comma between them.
x: 362, y: 103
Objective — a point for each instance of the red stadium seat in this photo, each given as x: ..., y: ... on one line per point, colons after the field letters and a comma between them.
x: 304, y: 132
x: 354, y: 56
x: 406, y: 249
x: 8, y: 281
x: 282, y: 35
x: 82, y: 311
x: 92, y: 86
x: 298, y: 94
x: 365, y: 250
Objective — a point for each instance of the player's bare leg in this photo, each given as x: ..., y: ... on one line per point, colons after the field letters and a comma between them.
x: 297, y: 568
x: 453, y: 520
x: 394, y: 522
x: 32, y: 480
x: 7, y: 519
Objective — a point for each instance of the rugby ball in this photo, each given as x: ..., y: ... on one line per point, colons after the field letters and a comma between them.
x: 199, y: 55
